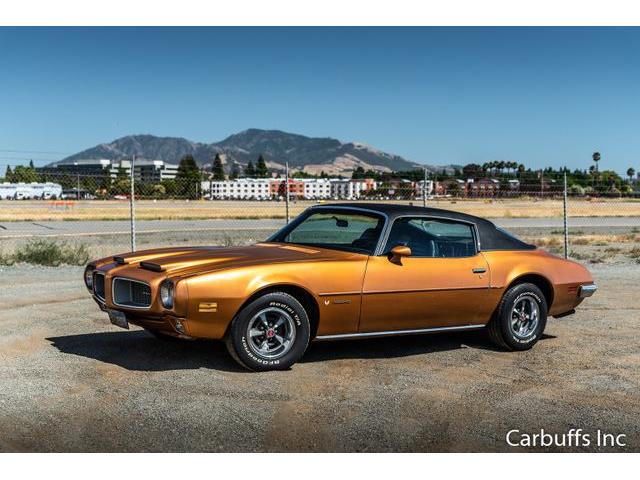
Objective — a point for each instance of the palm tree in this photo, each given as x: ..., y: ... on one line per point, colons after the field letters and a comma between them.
x: 630, y: 173
x: 501, y: 165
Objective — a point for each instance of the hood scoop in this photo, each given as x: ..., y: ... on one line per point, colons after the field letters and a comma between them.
x: 154, y: 267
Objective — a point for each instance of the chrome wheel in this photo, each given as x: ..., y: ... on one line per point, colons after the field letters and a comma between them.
x: 271, y: 333
x: 525, y: 316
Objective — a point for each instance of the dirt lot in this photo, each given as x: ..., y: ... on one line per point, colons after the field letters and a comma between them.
x: 72, y: 382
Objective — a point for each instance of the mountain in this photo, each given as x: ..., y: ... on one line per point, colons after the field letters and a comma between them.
x: 311, y: 155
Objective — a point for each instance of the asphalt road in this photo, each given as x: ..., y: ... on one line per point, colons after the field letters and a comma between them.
x: 92, y: 228
x: 70, y: 381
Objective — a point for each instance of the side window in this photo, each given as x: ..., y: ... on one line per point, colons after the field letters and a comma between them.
x: 427, y: 237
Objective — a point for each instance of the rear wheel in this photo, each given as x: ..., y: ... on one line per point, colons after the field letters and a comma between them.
x: 520, y: 319
x: 271, y: 333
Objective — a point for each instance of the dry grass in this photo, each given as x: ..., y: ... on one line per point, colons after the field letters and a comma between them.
x: 604, y: 240
x: 200, y: 209
x: 547, y: 242
x: 47, y: 252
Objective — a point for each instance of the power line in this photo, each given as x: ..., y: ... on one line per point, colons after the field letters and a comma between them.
x: 35, y: 151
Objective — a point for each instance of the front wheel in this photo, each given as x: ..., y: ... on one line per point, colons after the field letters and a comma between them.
x: 520, y: 319
x: 271, y: 333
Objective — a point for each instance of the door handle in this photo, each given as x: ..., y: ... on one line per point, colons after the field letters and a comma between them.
x: 479, y: 270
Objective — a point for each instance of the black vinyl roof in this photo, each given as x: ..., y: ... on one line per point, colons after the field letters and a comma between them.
x: 491, y: 237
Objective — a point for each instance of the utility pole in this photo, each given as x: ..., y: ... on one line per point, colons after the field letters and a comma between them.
x: 424, y: 188
x: 132, y: 210
x: 541, y: 183
x: 78, y: 187
x: 286, y: 188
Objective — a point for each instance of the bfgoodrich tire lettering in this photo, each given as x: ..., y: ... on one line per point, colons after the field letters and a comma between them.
x: 520, y: 318
x: 271, y: 333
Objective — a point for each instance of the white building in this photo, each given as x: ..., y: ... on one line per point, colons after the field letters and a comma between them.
x: 145, y: 170
x: 240, y: 189
x: 349, y: 189
x: 419, y: 188
x: 316, y: 188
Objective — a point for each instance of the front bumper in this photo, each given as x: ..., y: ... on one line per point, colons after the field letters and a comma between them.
x: 166, y: 323
x: 587, y: 290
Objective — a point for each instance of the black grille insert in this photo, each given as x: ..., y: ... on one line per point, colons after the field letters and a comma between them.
x: 98, y: 284
x: 131, y: 293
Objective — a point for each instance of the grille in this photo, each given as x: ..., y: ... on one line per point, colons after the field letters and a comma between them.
x: 131, y: 293
x: 98, y: 284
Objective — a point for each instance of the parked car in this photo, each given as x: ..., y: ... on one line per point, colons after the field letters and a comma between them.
x: 337, y: 272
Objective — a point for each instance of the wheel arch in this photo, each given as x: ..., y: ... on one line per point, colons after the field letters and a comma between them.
x: 540, y: 281
x: 301, y: 294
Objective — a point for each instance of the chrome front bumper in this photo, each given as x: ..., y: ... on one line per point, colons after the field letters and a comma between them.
x: 587, y: 290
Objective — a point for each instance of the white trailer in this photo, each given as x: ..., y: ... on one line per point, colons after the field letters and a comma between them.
x: 28, y: 191
x: 7, y: 191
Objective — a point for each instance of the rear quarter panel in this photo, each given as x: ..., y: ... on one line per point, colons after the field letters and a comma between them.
x: 565, y: 276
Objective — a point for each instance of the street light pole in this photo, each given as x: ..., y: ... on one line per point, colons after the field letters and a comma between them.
x: 564, y: 215
x: 132, y: 210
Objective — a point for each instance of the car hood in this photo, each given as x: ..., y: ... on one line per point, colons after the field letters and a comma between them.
x: 189, y: 260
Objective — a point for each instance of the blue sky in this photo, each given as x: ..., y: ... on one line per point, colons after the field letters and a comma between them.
x: 539, y: 96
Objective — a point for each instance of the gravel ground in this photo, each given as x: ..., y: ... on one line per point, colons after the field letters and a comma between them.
x: 72, y: 382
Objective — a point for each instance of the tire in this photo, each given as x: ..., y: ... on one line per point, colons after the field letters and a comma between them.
x: 165, y: 337
x: 508, y: 328
x: 270, y: 333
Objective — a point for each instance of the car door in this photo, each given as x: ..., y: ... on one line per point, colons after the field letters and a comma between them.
x: 444, y: 282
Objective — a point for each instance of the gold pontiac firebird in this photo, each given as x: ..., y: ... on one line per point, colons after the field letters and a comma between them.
x: 340, y: 271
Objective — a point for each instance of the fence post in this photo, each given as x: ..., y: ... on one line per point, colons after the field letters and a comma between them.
x: 132, y: 209
x: 424, y: 188
x: 566, y: 225
x: 286, y: 189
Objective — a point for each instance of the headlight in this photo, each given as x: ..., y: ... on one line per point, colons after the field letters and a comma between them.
x: 166, y: 294
x: 88, y: 277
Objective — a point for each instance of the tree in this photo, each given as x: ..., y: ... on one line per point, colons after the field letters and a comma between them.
x: 188, y: 177
x: 8, y: 174
x: 249, y: 171
x: 218, y: 168
x: 235, y: 173
x: 630, y: 173
x: 24, y: 174
x: 261, y: 168
x: 472, y: 170
x: 596, y: 158
x: 358, y: 172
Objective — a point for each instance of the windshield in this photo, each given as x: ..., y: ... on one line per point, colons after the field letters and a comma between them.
x: 352, y: 231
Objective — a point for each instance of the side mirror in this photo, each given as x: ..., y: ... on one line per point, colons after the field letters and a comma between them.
x: 397, y: 252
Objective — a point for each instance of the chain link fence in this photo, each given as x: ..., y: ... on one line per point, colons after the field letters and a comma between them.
x: 99, y: 214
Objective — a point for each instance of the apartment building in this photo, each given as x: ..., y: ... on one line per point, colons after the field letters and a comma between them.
x: 240, y: 189
x: 317, y: 189
x: 350, y: 189
x: 299, y: 188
